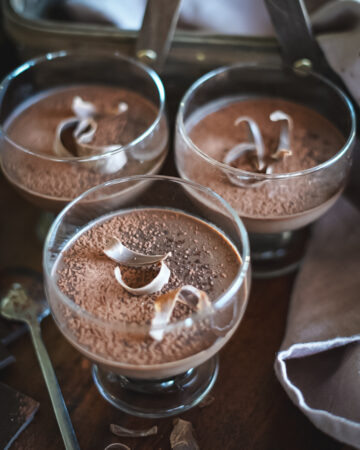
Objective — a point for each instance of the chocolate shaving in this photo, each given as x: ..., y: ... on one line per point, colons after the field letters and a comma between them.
x: 164, y: 306
x: 194, y: 298
x: 117, y: 251
x: 281, y: 153
x: 255, y: 151
x: 182, y: 436
x: 84, y: 132
x: 256, y: 148
x: 257, y: 141
x: 232, y: 155
x: 83, y: 109
x: 283, y: 149
x: 122, y: 107
x: 82, y: 129
x: 284, y: 146
x: 155, y: 284
x: 126, y: 432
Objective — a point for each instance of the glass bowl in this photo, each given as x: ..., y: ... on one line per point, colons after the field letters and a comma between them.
x: 51, y: 181
x: 266, y: 202
x: 133, y: 371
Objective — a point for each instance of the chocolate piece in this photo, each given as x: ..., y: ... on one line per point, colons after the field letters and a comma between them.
x: 31, y: 280
x: 182, y: 436
x: 16, y: 412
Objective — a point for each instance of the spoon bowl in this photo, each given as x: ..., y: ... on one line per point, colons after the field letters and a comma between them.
x: 18, y: 305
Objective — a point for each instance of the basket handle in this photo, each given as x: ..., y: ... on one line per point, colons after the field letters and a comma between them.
x: 156, y: 32
x: 298, y: 45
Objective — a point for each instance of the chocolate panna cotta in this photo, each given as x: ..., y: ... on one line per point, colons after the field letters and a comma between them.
x: 74, y: 122
x: 223, y: 130
x: 202, y: 265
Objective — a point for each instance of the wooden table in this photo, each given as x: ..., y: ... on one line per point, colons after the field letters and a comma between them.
x: 250, y: 410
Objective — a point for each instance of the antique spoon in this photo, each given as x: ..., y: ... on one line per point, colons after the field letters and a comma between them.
x: 17, y: 305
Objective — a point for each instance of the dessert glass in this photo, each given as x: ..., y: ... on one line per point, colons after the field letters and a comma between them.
x: 66, y: 69
x: 168, y: 388
x: 277, y: 240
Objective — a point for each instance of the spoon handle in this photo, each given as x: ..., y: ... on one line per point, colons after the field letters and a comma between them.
x: 61, y: 413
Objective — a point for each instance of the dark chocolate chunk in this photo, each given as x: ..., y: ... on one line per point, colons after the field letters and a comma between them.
x: 16, y: 412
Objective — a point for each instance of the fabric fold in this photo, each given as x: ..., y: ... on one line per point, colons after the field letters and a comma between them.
x: 319, y: 361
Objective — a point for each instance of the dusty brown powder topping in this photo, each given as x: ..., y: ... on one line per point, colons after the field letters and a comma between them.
x: 34, y: 124
x: 200, y: 257
x: 314, y: 140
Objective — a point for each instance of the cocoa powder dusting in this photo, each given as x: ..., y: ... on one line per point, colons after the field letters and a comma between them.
x: 33, y: 126
x: 313, y: 141
x: 200, y: 256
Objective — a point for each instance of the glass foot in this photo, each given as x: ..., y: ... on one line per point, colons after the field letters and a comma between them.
x: 157, y: 398
x: 277, y: 254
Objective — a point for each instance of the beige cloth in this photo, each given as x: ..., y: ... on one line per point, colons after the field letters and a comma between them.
x: 337, y: 26
x: 319, y: 361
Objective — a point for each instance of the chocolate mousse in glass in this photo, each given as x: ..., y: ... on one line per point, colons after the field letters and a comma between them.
x: 72, y: 120
x: 273, y: 142
x: 149, y: 289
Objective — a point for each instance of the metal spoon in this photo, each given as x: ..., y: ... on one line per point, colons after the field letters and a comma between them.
x: 17, y: 305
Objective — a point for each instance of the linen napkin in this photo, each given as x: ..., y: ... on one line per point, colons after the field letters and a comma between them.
x: 337, y: 27
x: 319, y: 361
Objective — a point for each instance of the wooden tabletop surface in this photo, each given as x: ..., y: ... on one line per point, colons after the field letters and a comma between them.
x: 250, y: 410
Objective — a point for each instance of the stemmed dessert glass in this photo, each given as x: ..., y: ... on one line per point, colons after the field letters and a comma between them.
x: 35, y: 174
x: 277, y: 238
x: 174, y: 385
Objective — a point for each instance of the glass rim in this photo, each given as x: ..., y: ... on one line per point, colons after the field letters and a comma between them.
x: 117, y: 325
x: 159, y: 87
x: 180, y: 123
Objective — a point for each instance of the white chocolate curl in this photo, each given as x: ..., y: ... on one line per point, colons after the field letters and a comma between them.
x: 284, y: 146
x: 257, y: 147
x: 83, y: 109
x: 117, y: 251
x: 155, y: 285
x: 164, y: 306
x: 257, y: 139
x: 232, y: 155
x: 85, y: 129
